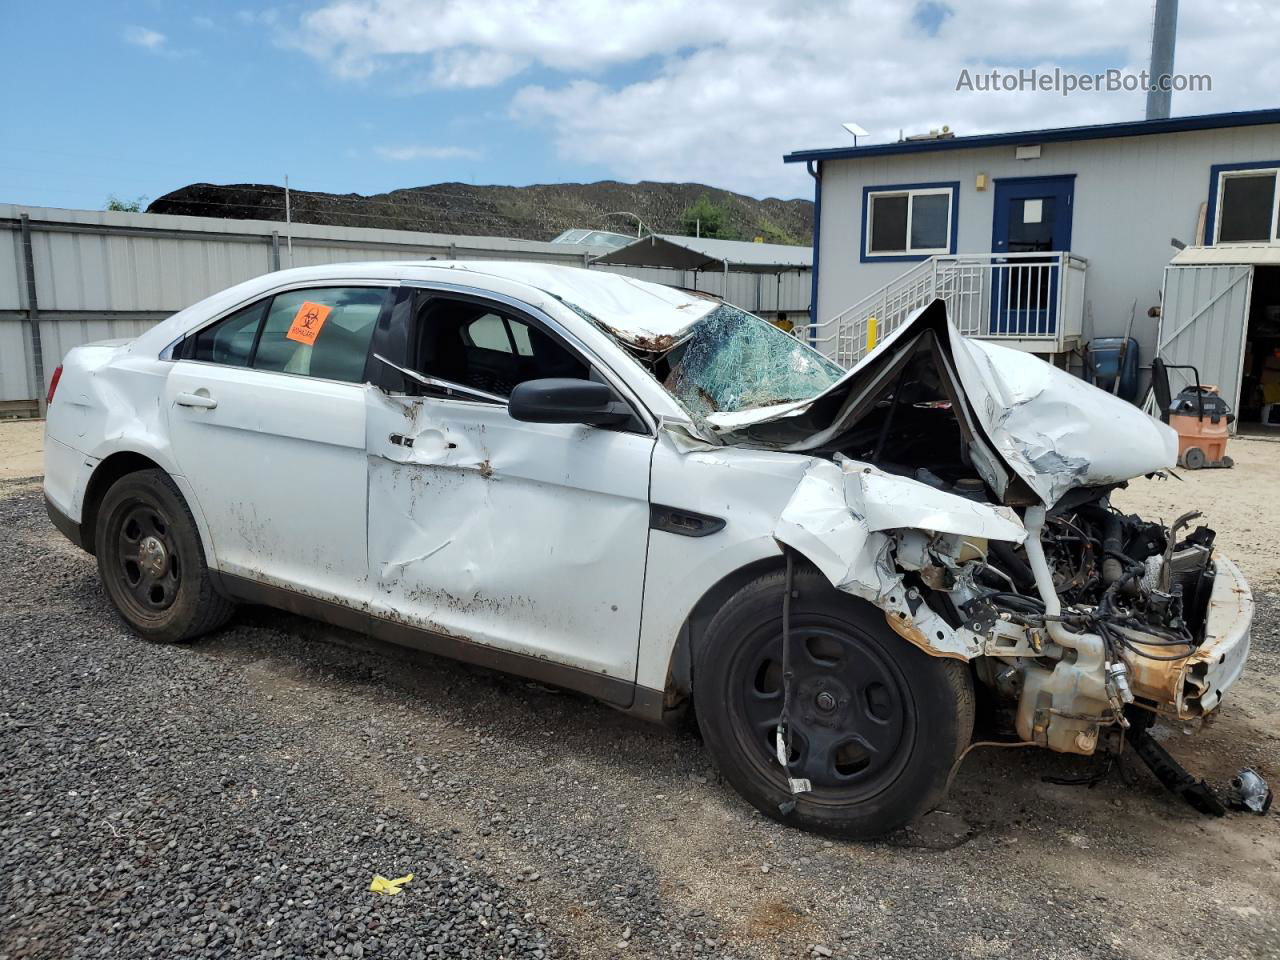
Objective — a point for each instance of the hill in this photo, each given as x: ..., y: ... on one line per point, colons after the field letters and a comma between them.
x: 537, y: 212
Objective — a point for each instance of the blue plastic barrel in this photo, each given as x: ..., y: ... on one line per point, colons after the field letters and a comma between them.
x: 1107, y: 357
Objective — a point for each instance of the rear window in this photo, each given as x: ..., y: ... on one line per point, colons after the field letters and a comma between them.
x: 320, y: 332
x: 230, y: 340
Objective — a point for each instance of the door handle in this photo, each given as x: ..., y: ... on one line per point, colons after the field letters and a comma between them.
x: 203, y: 401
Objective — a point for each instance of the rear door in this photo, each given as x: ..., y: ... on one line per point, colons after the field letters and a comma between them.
x: 529, y: 538
x: 267, y: 423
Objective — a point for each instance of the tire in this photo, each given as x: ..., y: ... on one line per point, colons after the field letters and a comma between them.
x: 876, y: 723
x: 1193, y: 458
x: 151, y: 562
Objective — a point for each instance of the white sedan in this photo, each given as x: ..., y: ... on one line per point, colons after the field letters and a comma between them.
x: 662, y: 501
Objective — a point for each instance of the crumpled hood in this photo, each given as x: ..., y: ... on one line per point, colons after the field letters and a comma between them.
x: 1053, y: 430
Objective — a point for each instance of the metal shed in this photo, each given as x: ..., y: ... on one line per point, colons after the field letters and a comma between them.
x: 1213, y: 309
x: 749, y: 263
x: 704, y: 253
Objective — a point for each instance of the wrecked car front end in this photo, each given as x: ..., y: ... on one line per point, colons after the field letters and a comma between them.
x: 964, y: 489
x: 1068, y: 615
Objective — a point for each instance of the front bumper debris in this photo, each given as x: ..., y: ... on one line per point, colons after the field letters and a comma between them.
x: 1193, y: 687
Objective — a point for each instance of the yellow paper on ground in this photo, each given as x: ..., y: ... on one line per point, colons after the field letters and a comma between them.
x: 381, y: 884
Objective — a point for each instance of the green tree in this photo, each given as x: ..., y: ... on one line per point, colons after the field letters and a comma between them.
x: 707, y: 219
x: 126, y: 206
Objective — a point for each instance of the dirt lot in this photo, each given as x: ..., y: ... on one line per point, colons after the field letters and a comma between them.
x: 21, y: 448
x: 234, y: 797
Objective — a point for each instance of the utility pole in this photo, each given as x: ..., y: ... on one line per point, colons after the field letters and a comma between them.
x: 1164, y: 33
x: 288, y: 219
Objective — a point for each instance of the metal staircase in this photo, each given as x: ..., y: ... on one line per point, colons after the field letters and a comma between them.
x: 1033, y: 301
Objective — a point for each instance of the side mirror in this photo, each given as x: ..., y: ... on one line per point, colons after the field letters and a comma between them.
x: 562, y: 400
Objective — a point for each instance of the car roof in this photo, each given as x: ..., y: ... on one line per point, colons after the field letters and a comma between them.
x: 649, y: 316
x: 643, y: 315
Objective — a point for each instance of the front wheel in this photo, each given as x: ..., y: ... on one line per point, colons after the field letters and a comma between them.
x: 875, y: 722
x: 151, y: 563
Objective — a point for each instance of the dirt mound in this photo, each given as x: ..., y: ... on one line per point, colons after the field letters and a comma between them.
x: 537, y: 212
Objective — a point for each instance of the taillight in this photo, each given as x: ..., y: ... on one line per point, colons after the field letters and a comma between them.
x: 53, y: 384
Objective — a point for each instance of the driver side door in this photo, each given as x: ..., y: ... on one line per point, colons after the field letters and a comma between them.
x: 527, y: 539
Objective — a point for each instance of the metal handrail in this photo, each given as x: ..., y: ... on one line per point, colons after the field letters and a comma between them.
x: 1031, y: 296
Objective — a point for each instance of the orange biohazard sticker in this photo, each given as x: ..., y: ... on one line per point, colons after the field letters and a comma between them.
x: 308, y: 321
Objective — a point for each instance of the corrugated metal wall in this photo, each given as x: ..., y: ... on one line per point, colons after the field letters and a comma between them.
x: 103, y: 275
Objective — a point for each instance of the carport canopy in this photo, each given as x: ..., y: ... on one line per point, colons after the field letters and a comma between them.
x: 702, y: 253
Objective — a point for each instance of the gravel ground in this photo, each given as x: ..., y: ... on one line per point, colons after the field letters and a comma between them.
x: 235, y: 797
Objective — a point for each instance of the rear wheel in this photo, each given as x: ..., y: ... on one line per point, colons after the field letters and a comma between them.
x: 875, y: 722
x: 151, y: 562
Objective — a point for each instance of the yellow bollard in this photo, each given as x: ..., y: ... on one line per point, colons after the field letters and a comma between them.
x: 871, y: 334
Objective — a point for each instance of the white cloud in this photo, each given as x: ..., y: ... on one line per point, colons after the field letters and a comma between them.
x: 419, y: 152
x: 570, y: 35
x: 718, y: 90
x: 470, y: 68
x: 147, y: 39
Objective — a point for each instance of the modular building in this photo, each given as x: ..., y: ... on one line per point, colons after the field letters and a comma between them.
x: 1048, y: 239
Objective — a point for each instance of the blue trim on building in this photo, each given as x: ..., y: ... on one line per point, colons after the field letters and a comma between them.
x: 864, y: 257
x: 815, y: 171
x: 1211, y: 211
x: 1100, y: 131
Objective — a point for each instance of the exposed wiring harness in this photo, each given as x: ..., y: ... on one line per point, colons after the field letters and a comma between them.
x: 1109, y: 619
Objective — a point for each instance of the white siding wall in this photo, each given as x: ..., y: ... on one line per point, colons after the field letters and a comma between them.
x: 1132, y: 195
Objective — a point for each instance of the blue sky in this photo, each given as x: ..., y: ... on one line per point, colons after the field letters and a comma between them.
x: 138, y: 98
x: 222, y: 101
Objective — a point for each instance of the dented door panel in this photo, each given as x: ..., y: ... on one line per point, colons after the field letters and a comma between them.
x: 527, y: 537
x: 277, y: 468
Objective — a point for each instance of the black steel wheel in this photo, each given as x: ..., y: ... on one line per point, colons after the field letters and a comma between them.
x: 875, y: 723
x: 151, y: 562
x: 147, y: 558
x: 851, y: 718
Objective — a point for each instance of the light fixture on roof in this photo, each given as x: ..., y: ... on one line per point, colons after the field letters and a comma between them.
x: 856, y: 130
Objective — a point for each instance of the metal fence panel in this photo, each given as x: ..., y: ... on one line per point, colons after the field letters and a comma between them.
x: 16, y: 379
x: 92, y: 266
x: 12, y: 284
x: 59, y: 336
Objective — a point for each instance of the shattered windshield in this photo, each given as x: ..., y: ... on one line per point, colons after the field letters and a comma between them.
x: 733, y: 360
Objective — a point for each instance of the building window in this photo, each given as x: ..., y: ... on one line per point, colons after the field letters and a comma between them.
x: 1244, y: 203
x: 1247, y: 207
x: 909, y: 222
